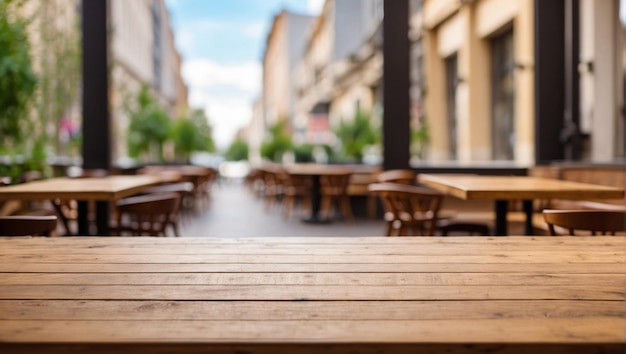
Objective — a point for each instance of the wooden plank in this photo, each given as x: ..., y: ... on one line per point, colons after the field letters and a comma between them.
x: 105, y: 188
x: 142, y: 347
x: 366, y: 279
x: 313, y: 241
x: 539, y: 268
x: 309, y: 293
x: 471, y: 187
x: 522, y: 257
x: 303, y: 310
x: 308, y: 250
x: 523, y: 330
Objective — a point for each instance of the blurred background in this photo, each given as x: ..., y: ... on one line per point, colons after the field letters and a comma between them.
x: 249, y: 81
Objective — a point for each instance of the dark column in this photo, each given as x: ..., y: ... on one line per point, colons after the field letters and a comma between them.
x: 396, y: 85
x: 549, y: 79
x: 570, y: 135
x: 96, y: 123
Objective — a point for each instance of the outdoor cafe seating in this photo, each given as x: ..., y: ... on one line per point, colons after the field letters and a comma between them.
x: 446, y: 223
x: 148, y: 215
x: 594, y: 222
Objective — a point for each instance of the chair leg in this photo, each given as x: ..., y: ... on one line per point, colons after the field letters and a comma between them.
x: 346, y: 209
x: 288, y: 205
x: 326, y: 205
x: 389, y: 228
x: 371, y: 207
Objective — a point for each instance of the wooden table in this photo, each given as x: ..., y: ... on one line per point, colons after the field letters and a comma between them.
x: 315, y: 171
x: 101, y: 190
x: 313, y: 295
x: 505, y: 188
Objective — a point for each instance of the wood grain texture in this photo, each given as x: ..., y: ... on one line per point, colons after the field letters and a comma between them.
x: 470, y: 187
x: 103, y: 189
x: 313, y: 295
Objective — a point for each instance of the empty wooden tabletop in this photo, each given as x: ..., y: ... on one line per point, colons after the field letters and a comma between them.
x: 313, y: 295
x: 103, y: 189
x: 516, y: 187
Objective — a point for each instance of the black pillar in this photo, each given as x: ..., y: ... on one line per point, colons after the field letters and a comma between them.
x: 96, y: 145
x: 549, y: 79
x: 570, y: 135
x: 396, y: 85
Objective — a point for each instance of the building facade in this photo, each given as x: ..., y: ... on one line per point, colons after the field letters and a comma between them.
x: 284, y: 44
x: 474, y: 78
x: 478, y: 79
x: 478, y: 86
x: 143, y: 52
x: 340, y: 69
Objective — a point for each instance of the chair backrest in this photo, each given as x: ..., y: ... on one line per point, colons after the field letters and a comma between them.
x: 148, y: 214
x: 408, y: 208
x: 28, y: 225
x: 593, y: 221
x: 397, y: 176
x: 335, y: 184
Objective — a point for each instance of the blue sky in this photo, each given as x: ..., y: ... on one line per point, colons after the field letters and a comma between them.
x: 222, y: 43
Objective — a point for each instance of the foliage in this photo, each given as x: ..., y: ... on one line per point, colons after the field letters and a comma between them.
x: 237, y: 151
x: 59, y: 68
x: 149, y: 126
x: 192, y: 134
x: 357, y: 134
x: 278, y: 143
x: 19, y: 164
x: 420, y: 138
x: 304, y: 153
x: 18, y: 79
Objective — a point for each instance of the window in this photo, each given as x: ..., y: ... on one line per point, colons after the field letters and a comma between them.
x: 452, y: 79
x: 503, y: 96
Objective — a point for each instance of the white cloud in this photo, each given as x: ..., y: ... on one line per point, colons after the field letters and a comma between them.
x: 225, y: 91
x: 204, y: 73
x: 227, y: 116
x: 315, y: 6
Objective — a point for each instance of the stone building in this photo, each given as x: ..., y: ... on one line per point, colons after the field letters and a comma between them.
x: 143, y: 52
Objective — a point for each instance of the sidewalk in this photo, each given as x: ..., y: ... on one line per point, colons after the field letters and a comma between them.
x: 235, y: 212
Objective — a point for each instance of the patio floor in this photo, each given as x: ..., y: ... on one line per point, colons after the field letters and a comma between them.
x: 235, y: 212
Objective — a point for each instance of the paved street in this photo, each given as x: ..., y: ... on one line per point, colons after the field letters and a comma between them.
x: 236, y: 212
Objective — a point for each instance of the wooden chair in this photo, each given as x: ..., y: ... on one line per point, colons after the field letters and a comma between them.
x: 406, y: 177
x: 185, y: 191
x: 28, y: 225
x: 272, y: 186
x: 446, y: 224
x: 409, y: 210
x: 334, y: 189
x: 296, y: 189
x: 592, y: 221
x: 147, y: 214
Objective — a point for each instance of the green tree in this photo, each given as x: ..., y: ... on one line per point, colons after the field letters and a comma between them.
x: 237, y: 151
x: 420, y: 138
x: 357, y: 134
x: 58, y: 59
x: 303, y: 153
x: 17, y: 79
x: 192, y: 134
x: 149, y: 127
x: 278, y: 143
